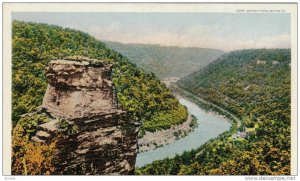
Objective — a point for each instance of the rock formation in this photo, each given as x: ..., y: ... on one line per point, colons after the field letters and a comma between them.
x: 99, y: 138
x: 78, y: 89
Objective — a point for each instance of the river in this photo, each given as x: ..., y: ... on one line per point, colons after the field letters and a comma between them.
x: 210, y: 126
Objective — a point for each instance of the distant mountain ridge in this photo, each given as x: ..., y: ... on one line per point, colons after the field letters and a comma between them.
x: 166, y: 61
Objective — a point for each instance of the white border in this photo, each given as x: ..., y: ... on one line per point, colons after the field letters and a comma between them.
x: 132, y: 7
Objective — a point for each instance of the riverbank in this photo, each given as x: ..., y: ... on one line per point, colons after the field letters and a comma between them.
x: 151, y: 141
x: 210, y: 126
x: 208, y: 106
x: 214, y: 122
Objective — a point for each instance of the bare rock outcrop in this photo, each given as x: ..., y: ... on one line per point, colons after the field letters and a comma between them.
x: 78, y: 88
x: 100, y: 139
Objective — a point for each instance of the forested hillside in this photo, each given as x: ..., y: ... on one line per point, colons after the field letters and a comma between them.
x: 34, y: 45
x: 166, y: 61
x: 254, y: 85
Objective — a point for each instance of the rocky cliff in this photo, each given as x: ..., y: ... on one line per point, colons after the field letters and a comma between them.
x: 92, y: 135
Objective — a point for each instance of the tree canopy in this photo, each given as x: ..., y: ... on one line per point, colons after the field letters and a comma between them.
x: 260, y: 95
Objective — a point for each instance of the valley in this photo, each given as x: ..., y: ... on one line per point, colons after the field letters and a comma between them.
x: 156, y: 110
x: 249, y: 146
x: 166, y: 61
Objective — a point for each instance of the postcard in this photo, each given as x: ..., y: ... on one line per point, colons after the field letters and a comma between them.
x: 150, y: 89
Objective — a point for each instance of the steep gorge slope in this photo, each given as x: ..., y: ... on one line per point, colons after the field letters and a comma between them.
x: 166, y: 61
x: 33, y: 45
x: 255, y: 85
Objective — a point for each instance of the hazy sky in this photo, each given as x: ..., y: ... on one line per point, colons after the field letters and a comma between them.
x: 226, y: 31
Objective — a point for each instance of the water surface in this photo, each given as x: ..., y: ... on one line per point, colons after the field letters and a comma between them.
x: 210, y: 126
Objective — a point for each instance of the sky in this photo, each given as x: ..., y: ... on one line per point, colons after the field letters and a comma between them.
x: 225, y: 31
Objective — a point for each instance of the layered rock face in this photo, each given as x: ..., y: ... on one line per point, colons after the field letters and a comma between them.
x: 78, y: 88
x: 102, y: 139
